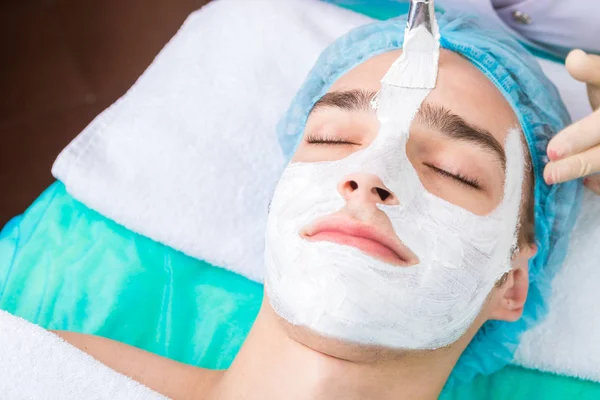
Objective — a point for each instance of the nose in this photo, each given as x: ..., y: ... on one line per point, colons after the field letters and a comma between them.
x: 367, y: 188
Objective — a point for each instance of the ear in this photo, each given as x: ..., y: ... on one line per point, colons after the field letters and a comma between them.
x: 509, y: 299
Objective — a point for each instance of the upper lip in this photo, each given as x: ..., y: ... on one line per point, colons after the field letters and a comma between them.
x: 355, y: 228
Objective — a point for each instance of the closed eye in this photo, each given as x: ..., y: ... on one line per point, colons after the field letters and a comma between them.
x: 459, y: 178
x: 329, y: 141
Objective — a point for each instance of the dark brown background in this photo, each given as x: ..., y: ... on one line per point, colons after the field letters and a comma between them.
x: 62, y: 62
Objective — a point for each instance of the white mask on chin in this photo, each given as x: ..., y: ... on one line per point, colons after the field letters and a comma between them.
x: 340, y: 292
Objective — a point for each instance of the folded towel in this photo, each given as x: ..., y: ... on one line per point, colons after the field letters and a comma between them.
x: 190, y: 160
x: 36, y: 364
x: 189, y: 155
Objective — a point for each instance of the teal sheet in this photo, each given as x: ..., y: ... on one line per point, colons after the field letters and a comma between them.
x: 64, y: 266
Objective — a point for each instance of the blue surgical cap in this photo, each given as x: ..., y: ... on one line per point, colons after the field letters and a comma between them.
x: 541, y: 113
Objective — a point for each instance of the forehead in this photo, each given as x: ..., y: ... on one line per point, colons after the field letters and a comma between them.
x: 461, y: 88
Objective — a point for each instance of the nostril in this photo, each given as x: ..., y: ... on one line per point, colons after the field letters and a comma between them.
x: 383, y: 194
x: 353, y: 185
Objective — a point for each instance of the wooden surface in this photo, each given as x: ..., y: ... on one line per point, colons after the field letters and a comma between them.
x: 62, y: 63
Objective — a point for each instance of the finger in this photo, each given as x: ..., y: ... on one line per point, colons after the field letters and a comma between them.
x: 586, y: 68
x: 594, y: 96
x: 593, y: 183
x: 575, y: 138
x: 572, y: 167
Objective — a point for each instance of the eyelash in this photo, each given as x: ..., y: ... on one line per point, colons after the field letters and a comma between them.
x: 324, y: 140
x: 461, y: 179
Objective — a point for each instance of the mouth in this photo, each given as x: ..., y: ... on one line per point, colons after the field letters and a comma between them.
x: 385, y: 246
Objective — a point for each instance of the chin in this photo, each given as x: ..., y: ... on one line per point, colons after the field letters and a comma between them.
x: 340, y: 349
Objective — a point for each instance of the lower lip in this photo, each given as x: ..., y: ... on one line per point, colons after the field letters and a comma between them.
x: 368, y: 246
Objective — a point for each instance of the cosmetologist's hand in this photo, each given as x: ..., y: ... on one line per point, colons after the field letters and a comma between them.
x: 575, y: 151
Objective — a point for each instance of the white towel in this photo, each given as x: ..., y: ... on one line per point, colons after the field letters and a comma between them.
x: 36, y: 364
x: 568, y: 340
x: 189, y: 155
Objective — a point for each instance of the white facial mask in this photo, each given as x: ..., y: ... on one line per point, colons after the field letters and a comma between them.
x: 341, y: 292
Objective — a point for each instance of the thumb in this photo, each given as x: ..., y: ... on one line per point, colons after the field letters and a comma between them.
x: 586, y: 68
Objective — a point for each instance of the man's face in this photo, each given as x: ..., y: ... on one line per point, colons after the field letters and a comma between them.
x: 456, y: 147
x: 456, y: 142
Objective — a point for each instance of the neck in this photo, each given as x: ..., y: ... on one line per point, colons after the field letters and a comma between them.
x: 273, y: 365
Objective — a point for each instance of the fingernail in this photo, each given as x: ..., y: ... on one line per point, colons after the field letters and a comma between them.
x: 555, y: 154
x: 548, y: 177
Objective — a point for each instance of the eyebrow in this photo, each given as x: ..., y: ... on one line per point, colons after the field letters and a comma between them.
x: 348, y: 100
x: 456, y: 128
x: 434, y: 116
